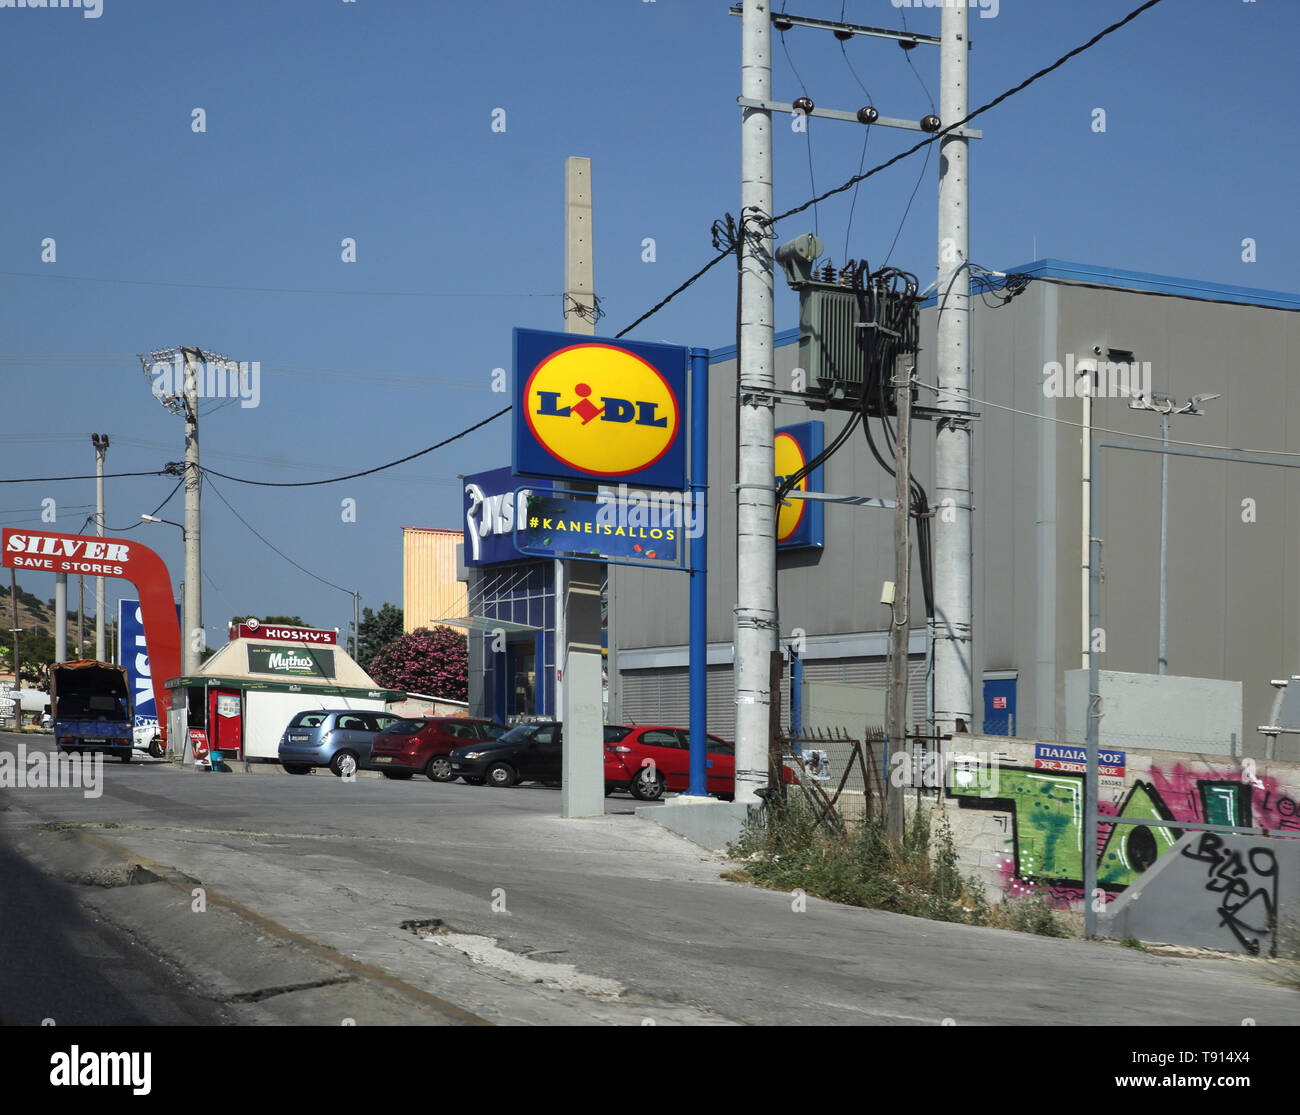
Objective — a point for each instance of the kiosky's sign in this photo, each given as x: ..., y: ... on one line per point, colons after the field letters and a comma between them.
x: 276, y: 632
x: 599, y: 409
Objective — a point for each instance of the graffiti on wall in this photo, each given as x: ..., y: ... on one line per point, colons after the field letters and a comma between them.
x: 1245, y: 886
x: 1045, y: 844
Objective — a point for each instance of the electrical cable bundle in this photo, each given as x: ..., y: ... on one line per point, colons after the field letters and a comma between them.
x: 887, y: 303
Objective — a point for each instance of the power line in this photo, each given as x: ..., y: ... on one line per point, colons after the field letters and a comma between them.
x: 364, y: 472
x: 904, y: 154
x: 91, y: 476
x: 217, y: 492
x: 979, y: 111
x: 1105, y: 429
x: 140, y: 522
x: 284, y: 290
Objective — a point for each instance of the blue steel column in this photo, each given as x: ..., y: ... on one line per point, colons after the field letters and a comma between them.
x: 699, y: 571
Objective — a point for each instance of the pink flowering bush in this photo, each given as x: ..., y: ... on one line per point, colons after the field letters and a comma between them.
x: 430, y: 661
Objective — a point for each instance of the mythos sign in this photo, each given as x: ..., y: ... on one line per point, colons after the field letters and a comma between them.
x: 599, y: 409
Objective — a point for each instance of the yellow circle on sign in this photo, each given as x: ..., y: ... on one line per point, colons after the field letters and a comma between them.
x: 789, y: 460
x: 601, y: 410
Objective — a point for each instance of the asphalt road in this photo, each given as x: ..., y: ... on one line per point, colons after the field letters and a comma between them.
x: 487, y: 900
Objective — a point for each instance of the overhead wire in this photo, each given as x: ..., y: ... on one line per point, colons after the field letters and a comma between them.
x: 936, y: 136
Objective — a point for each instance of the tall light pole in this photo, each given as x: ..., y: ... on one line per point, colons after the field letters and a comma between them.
x: 100, y: 442
x: 1164, y: 405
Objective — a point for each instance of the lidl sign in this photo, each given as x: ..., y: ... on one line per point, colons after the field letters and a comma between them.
x: 799, y: 521
x: 592, y: 408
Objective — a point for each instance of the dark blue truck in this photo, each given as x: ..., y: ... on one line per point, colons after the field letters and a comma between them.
x: 90, y: 703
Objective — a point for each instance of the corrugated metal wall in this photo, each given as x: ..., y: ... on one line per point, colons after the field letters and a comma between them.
x: 661, y: 696
x: 430, y: 592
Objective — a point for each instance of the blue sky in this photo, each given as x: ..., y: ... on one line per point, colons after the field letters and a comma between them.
x: 372, y: 120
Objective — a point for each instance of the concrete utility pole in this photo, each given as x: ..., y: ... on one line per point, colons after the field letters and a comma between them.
x: 583, y: 794
x: 60, y: 617
x: 953, y: 698
x: 756, y: 620
x: 100, y: 442
x: 18, y: 678
x: 192, y: 601
x: 901, y: 623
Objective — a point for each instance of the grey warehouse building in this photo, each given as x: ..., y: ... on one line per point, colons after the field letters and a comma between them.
x: 1233, y: 583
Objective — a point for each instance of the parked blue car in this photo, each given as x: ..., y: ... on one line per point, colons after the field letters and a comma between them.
x: 336, y: 738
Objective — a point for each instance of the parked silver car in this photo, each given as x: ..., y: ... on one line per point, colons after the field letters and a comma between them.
x: 336, y: 738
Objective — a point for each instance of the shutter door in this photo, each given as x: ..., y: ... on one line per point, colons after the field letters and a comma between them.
x: 656, y: 696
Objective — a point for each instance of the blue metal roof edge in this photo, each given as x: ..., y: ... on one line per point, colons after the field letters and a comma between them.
x: 1120, y: 279
x: 783, y: 337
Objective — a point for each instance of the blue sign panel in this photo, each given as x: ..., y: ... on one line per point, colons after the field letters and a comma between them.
x: 594, y: 408
x: 133, y: 653
x: 1067, y: 757
x: 491, y: 507
x: 799, y: 521
x: 637, y: 528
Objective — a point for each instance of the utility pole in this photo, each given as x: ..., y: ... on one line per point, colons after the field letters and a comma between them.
x: 192, y: 606
x: 901, y: 622
x: 18, y: 677
x: 756, y: 620
x: 60, y: 617
x: 953, y: 652
x: 583, y: 793
x: 356, y: 623
x: 100, y: 442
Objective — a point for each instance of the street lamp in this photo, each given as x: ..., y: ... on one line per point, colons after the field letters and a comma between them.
x: 169, y: 522
x: 1164, y: 405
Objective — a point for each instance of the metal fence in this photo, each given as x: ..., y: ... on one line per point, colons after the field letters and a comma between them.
x: 841, y: 773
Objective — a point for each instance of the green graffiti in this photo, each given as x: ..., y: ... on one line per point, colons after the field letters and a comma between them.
x: 1225, y: 803
x: 1048, y: 810
x: 1131, y: 849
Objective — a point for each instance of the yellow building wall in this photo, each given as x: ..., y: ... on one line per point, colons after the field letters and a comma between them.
x: 430, y: 592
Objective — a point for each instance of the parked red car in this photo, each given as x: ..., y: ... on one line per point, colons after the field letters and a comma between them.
x: 649, y: 759
x: 423, y: 745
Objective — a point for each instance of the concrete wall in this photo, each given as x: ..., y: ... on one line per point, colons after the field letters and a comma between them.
x: 1236, y: 893
x: 1158, y: 712
x: 1018, y: 823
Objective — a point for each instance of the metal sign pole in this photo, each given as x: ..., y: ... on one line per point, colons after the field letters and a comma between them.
x: 699, y: 486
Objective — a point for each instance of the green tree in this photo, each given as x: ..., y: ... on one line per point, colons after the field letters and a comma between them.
x: 35, y: 651
x: 378, y: 630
